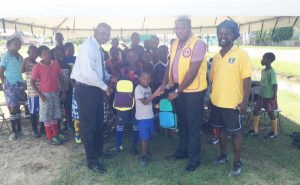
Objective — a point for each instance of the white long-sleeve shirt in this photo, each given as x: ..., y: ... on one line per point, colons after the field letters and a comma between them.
x: 88, y: 65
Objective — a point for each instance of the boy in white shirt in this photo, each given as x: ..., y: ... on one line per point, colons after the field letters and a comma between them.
x: 144, y: 113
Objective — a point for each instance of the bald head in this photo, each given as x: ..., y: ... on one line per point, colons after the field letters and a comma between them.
x: 102, y: 33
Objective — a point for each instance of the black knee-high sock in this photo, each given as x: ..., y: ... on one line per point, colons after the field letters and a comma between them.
x: 13, y: 126
x: 13, y: 121
x: 18, y: 122
x: 34, y: 122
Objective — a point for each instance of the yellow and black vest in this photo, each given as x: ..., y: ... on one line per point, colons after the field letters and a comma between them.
x: 199, y: 83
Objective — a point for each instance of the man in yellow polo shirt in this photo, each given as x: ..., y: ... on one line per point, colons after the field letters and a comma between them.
x: 186, y: 72
x: 231, y: 78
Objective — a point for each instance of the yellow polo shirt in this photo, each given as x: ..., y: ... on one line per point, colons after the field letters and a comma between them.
x: 227, y: 75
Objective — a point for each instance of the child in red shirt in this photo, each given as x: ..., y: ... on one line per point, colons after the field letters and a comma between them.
x: 48, y: 73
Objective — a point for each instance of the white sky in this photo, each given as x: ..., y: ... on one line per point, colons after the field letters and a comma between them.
x: 141, y: 8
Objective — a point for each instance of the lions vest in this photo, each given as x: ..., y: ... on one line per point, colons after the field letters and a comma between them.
x: 199, y: 83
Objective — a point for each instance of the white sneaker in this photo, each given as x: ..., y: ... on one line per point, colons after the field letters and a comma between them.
x: 12, y: 136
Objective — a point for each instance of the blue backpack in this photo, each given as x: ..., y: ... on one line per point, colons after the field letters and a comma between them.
x: 167, y: 116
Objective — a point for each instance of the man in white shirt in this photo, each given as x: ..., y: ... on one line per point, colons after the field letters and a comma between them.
x: 89, y: 74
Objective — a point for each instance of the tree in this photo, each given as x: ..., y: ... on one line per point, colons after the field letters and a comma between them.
x: 281, y: 34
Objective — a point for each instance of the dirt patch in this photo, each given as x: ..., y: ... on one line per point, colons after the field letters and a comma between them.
x: 32, y: 161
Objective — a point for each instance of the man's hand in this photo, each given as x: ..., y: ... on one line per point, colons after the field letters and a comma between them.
x: 172, y: 96
x: 242, y: 107
x: 108, y: 92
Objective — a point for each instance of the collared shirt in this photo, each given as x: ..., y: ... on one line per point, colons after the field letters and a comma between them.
x: 227, y: 74
x: 88, y: 68
x: 12, y: 67
x: 47, y: 76
x: 197, y: 56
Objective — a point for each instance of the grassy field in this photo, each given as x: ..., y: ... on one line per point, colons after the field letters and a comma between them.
x: 283, y: 67
x: 272, y: 47
x: 264, y: 161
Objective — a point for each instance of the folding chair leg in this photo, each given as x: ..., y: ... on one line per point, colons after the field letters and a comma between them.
x: 279, y: 121
x: 4, y: 121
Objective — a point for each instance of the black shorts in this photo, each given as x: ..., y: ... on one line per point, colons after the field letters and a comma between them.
x: 224, y: 118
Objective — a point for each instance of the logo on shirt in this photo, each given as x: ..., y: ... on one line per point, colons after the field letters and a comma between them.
x: 231, y: 60
x: 187, y: 52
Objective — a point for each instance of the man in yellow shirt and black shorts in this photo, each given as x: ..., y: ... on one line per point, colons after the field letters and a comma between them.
x: 231, y: 79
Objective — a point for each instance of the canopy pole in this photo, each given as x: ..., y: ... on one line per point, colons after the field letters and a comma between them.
x: 67, y: 33
x: 207, y: 45
x: 143, y: 23
x: 261, y: 30
x: 294, y: 24
x: 74, y: 25
x: 31, y: 27
x: 249, y: 28
x: 3, y: 24
x: 275, y: 26
x: 44, y: 31
x: 61, y: 23
x: 121, y: 33
x: 16, y: 27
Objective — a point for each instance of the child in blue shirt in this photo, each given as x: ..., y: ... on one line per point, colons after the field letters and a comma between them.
x: 13, y: 84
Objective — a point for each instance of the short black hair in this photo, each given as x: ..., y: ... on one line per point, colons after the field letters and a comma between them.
x: 154, y: 37
x: 145, y: 71
x: 68, y: 44
x: 163, y: 47
x: 270, y: 56
x: 135, y: 33
x: 233, y: 26
x: 10, y: 41
x: 103, y: 25
x: 42, y: 48
x: 32, y: 47
x: 185, y: 19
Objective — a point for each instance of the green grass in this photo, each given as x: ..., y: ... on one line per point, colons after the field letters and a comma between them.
x: 283, y: 67
x: 272, y: 47
x: 264, y: 161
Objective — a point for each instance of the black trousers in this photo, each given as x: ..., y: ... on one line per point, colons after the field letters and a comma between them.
x: 90, y: 108
x: 189, y: 109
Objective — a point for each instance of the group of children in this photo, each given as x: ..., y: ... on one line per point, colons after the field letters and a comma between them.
x: 50, y: 90
x: 48, y: 87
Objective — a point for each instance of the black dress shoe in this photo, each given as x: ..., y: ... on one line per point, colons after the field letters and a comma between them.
x: 192, y: 167
x: 105, y: 155
x: 97, y: 168
x: 176, y: 157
